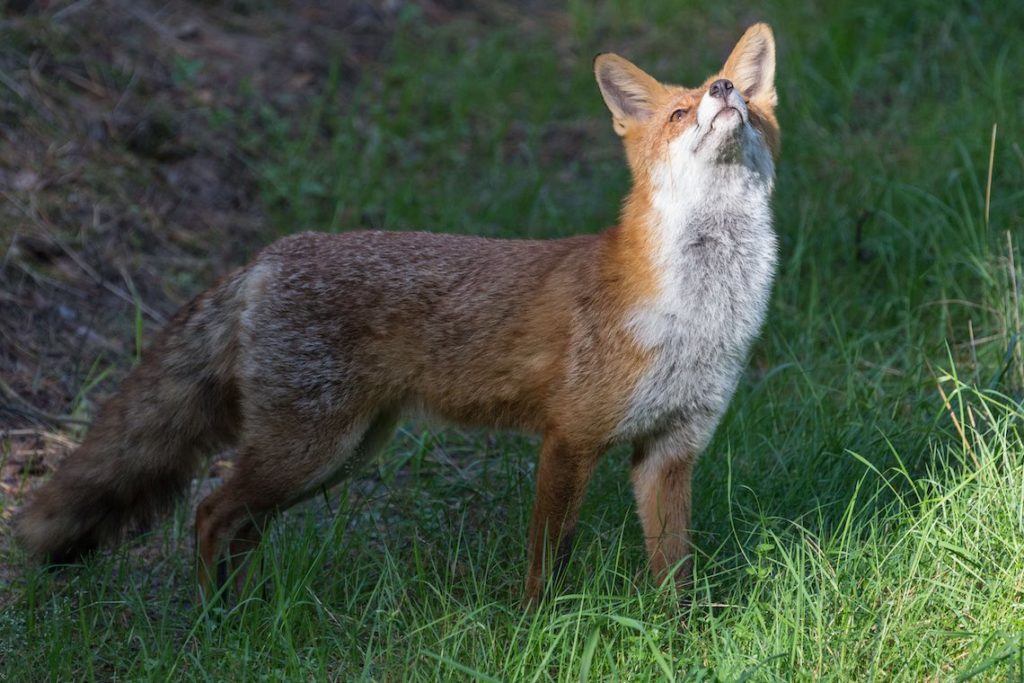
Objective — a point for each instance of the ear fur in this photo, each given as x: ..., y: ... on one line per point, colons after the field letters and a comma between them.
x: 751, y: 66
x: 629, y: 92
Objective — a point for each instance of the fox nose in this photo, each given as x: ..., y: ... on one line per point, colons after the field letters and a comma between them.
x: 720, y: 88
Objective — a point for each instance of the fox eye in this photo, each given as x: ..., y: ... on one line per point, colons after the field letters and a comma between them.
x: 678, y: 114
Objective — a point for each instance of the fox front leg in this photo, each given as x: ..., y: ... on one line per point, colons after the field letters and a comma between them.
x: 562, y: 477
x: 662, y: 470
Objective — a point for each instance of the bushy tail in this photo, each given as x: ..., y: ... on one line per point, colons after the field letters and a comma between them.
x: 148, y: 438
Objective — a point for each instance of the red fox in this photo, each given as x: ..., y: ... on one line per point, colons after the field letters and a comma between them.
x: 308, y: 356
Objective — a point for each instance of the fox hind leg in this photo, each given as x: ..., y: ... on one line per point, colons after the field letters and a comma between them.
x: 217, y: 517
x: 240, y: 549
x: 248, y: 536
x: 268, y: 480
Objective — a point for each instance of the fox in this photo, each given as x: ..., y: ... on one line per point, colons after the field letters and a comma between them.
x: 306, y: 359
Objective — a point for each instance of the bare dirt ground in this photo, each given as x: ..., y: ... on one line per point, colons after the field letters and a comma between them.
x: 123, y: 187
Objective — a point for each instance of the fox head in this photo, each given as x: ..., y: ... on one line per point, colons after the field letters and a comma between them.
x: 685, y: 135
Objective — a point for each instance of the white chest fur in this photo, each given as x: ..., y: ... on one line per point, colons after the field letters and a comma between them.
x: 716, y: 256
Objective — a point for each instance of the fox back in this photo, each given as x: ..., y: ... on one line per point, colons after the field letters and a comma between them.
x: 307, y: 357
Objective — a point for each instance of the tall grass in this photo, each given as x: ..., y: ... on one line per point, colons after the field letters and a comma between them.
x: 860, y: 513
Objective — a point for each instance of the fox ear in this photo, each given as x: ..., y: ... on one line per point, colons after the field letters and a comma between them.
x: 629, y: 92
x: 751, y: 66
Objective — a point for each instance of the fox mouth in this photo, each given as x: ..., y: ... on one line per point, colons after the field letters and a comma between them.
x: 725, y: 110
x: 714, y: 129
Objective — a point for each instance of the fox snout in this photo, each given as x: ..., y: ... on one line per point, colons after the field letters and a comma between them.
x: 722, y: 106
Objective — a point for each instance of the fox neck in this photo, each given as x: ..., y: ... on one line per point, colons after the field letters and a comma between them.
x: 676, y: 216
x: 697, y: 245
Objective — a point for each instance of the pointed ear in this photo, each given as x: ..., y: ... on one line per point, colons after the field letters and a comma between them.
x: 628, y: 91
x: 751, y: 66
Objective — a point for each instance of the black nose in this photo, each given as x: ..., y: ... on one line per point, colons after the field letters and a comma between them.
x: 720, y: 88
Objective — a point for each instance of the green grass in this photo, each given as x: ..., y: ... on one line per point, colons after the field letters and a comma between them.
x: 860, y: 513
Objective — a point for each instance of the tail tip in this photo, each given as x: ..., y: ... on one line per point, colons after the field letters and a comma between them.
x: 49, y: 537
